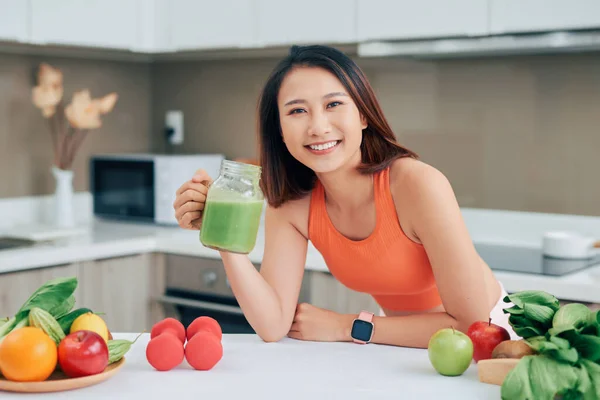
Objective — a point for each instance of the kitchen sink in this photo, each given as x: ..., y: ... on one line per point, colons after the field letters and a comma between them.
x: 7, y: 243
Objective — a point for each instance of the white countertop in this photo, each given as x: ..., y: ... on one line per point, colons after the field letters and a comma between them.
x: 112, y: 239
x: 288, y: 369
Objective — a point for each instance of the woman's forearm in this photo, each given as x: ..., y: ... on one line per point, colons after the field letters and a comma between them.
x: 257, y: 299
x: 407, y: 331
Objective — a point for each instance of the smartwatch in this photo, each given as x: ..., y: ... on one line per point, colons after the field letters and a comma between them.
x: 362, y: 328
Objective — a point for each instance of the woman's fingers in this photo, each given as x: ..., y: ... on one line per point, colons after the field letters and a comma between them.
x: 188, y: 215
x: 190, y: 185
x: 190, y: 206
x: 191, y: 220
x: 192, y: 194
x: 201, y: 176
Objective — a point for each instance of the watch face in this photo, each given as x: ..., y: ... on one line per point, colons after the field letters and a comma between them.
x: 361, y: 330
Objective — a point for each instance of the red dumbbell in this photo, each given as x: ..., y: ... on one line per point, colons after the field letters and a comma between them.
x: 204, y: 349
x: 165, y: 350
x: 204, y: 323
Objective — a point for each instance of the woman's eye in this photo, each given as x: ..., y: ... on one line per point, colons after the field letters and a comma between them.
x: 296, y: 111
x: 333, y: 104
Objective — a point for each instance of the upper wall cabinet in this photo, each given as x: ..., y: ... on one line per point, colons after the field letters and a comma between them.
x: 307, y: 22
x: 95, y: 23
x: 208, y: 24
x: 14, y: 20
x: 414, y: 19
x: 511, y: 16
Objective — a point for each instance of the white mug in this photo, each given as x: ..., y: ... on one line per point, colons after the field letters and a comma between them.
x: 572, y: 245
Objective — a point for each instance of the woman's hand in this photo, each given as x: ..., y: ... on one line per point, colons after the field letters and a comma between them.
x: 319, y: 325
x: 190, y: 200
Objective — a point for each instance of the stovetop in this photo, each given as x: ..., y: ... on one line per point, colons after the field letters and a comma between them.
x: 529, y: 260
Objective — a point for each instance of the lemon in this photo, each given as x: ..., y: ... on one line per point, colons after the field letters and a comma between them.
x: 90, y: 322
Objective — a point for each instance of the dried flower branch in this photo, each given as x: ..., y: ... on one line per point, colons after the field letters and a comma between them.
x: 68, y: 126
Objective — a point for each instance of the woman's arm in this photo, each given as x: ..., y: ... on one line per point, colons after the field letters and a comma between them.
x: 436, y: 220
x: 268, y: 298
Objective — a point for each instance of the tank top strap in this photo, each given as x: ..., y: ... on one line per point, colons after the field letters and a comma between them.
x: 386, y: 208
x: 317, y: 215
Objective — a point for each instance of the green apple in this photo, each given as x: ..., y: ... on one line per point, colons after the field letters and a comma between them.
x: 450, y: 352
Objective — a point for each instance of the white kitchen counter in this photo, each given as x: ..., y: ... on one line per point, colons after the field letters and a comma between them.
x: 111, y: 239
x: 288, y: 369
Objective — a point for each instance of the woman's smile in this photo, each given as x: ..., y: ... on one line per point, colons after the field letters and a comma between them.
x: 322, y: 148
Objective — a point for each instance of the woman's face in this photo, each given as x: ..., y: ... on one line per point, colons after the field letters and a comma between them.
x: 320, y: 123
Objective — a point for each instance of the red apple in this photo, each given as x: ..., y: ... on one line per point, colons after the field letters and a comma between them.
x: 485, y: 337
x: 82, y: 353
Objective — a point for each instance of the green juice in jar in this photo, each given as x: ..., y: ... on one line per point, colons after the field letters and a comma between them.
x: 231, y: 225
x: 233, y: 209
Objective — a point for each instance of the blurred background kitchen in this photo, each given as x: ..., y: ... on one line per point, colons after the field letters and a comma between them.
x: 503, y: 96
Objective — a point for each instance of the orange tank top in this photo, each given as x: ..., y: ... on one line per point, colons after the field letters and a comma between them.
x: 387, y: 265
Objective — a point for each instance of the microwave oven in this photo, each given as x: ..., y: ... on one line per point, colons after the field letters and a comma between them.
x: 142, y: 187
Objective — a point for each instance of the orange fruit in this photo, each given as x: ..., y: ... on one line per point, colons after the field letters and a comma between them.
x: 28, y: 355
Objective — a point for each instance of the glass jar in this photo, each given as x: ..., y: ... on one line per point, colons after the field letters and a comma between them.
x: 233, y: 209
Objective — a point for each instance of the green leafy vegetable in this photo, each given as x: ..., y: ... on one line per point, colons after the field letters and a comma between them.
x: 525, y: 327
x: 556, y: 348
x: 539, y: 313
x: 532, y: 312
x: 593, y: 371
x: 63, y: 308
x: 588, y: 346
x: 533, y: 297
x: 575, y: 315
x: 541, y: 377
x: 566, y: 340
x: 49, y: 296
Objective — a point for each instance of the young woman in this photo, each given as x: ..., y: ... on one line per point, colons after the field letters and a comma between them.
x: 385, y: 223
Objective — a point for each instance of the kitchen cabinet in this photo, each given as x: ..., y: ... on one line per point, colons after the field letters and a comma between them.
x: 17, y: 287
x: 14, y: 20
x: 411, y: 19
x: 208, y: 24
x: 511, y: 16
x: 328, y: 293
x: 283, y: 23
x: 123, y: 289
x: 111, y: 24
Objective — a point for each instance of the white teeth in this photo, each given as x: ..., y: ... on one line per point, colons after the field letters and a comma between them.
x: 323, y: 146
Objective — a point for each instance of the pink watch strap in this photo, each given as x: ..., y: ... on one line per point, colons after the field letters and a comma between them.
x: 366, y: 316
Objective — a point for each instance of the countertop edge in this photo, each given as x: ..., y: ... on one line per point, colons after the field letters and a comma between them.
x: 580, y: 286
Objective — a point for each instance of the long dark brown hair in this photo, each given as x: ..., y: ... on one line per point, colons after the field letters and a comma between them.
x: 285, y: 178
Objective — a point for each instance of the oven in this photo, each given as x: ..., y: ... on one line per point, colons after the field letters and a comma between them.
x: 198, y: 286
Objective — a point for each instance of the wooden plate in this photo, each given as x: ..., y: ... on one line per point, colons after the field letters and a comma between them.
x: 494, y: 371
x: 59, y: 382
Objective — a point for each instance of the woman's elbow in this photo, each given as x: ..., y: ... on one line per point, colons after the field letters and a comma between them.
x: 272, y: 335
x: 465, y: 321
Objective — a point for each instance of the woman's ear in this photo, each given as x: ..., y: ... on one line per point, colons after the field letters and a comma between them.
x: 363, y: 122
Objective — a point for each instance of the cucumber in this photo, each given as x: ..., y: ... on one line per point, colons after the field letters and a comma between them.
x: 66, y: 321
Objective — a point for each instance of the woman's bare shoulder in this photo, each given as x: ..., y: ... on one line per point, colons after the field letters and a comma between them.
x: 416, y: 178
x: 295, y: 212
x: 420, y: 192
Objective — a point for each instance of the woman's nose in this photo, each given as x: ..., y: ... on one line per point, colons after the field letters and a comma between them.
x: 319, y: 124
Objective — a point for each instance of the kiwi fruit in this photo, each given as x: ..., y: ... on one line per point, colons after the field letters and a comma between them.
x: 512, y: 349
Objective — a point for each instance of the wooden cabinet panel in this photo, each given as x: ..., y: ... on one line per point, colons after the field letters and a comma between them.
x: 121, y: 289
